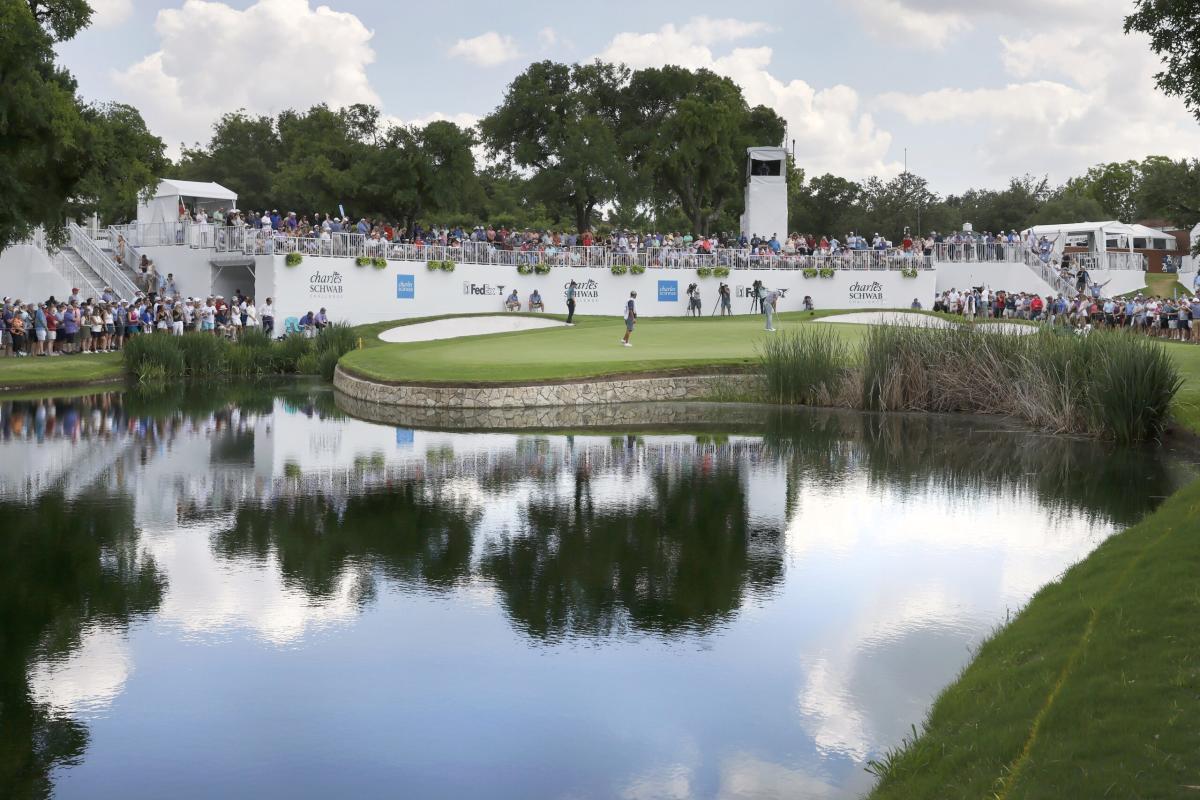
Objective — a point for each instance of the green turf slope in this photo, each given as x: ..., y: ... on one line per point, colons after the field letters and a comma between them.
x: 1092, y: 691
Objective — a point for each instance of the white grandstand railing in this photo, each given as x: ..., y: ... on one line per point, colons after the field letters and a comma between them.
x: 1123, y: 260
x: 252, y: 241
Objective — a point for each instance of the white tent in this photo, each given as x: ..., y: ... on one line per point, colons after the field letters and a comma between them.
x: 1101, y: 237
x: 171, y: 193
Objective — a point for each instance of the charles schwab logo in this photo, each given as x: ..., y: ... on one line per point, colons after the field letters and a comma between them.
x: 585, y: 291
x: 866, y: 291
x: 482, y: 288
x: 325, y: 283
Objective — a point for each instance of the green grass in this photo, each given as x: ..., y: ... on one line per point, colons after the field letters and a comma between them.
x: 589, y: 349
x: 1092, y: 691
x: 1161, y: 285
x: 33, y: 372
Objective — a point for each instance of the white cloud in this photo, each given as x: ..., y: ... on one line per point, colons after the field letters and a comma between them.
x: 548, y: 37
x: 831, y: 132
x: 1084, y: 93
x: 901, y: 23
x: 276, y: 54
x: 107, y: 13
x: 487, y: 49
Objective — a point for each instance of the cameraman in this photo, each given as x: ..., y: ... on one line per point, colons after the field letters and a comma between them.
x: 725, y: 300
x: 693, y: 293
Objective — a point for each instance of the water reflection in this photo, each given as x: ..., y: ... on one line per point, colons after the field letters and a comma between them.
x: 72, y: 577
x: 747, y: 607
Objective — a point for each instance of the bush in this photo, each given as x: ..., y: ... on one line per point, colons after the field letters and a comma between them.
x: 825, y: 272
x: 619, y: 269
x: 808, y: 272
x: 704, y: 272
x: 524, y: 269
x: 447, y: 266
x: 203, y: 354
x: 152, y: 358
x: 378, y: 262
x: 433, y: 266
x: 909, y: 272
x: 289, y: 352
x: 637, y: 269
x: 308, y: 364
x: 293, y: 259
x: 541, y: 269
x: 338, y: 337
x: 721, y: 272
x: 362, y: 261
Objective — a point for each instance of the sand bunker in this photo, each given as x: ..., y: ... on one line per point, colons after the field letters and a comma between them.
x: 466, y: 326
x: 921, y: 321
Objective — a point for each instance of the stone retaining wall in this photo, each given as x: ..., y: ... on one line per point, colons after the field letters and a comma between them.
x: 594, y: 392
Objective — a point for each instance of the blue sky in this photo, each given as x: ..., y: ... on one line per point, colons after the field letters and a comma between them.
x: 977, y: 93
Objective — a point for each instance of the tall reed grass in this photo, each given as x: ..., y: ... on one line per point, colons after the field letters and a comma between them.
x: 1107, y: 385
x: 156, y: 358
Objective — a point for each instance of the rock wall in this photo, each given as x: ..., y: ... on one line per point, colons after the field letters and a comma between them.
x: 584, y: 393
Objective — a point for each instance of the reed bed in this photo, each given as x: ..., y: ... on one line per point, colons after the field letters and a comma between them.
x: 156, y: 358
x: 1106, y: 385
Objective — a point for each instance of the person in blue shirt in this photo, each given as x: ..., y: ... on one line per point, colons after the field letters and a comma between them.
x: 774, y: 243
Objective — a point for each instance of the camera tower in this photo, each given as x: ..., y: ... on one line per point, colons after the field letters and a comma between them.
x: 766, y: 193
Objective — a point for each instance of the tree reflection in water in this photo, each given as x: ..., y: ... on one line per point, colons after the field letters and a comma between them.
x: 684, y: 559
x: 65, y: 566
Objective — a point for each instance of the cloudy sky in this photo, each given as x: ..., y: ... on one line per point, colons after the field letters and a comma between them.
x: 975, y: 93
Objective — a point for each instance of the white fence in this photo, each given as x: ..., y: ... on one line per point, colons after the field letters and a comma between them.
x: 102, y: 263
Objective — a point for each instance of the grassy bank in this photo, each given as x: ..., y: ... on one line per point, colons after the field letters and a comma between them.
x: 28, y: 374
x: 1092, y: 691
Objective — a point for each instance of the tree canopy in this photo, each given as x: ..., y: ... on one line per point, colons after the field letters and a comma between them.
x: 1174, y: 30
x: 58, y: 156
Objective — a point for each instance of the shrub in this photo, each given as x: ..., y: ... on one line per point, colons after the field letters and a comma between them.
x: 379, y: 262
x: 704, y: 272
x: 808, y: 272
x: 637, y: 269
x: 203, y: 354
x: 825, y: 272
x: 362, y: 261
x: 619, y: 269
x: 447, y: 266
x: 909, y: 272
x: 541, y: 269
x: 293, y: 259
x: 338, y: 337
x: 433, y: 266
x: 153, y: 358
x: 721, y: 272
x: 524, y: 269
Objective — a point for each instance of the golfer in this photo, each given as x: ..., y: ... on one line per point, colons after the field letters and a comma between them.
x: 571, y: 302
x: 630, y: 318
x: 768, y: 297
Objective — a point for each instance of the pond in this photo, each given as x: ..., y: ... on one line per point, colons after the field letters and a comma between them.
x: 246, y: 592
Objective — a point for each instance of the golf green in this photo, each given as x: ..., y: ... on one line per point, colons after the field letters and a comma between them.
x: 591, y: 348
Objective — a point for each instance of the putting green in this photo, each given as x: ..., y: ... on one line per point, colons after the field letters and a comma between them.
x: 589, y: 349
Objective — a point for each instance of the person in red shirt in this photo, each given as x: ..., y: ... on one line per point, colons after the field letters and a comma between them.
x: 1035, y: 307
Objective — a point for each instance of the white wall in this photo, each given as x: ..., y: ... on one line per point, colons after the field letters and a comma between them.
x: 192, y: 268
x: 1009, y: 277
x: 365, y: 294
x: 26, y: 272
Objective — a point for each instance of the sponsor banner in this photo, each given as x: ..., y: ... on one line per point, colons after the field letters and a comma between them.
x: 323, y: 284
x: 374, y: 295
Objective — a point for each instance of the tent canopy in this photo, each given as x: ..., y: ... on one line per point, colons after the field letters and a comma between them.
x: 200, y: 190
x: 164, y: 205
x: 1112, y: 234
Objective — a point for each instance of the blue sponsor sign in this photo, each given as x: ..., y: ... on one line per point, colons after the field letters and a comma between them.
x: 406, y: 287
x: 404, y: 437
x: 668, y: 291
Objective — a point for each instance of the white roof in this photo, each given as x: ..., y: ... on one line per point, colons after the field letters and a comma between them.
x: 199, y: 189
x: 771, y: 153
x: 1110, y: 227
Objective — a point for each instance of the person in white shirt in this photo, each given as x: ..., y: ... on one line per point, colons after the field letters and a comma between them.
x: 266, y: 317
